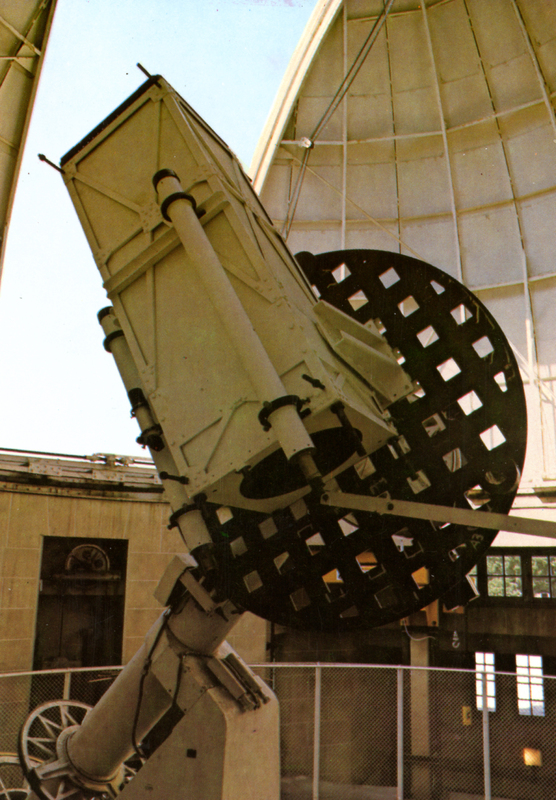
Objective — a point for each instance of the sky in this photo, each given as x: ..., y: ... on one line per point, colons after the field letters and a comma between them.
x: 61, y: 392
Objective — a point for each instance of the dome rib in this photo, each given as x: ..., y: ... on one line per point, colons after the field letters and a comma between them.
x: 443, y: 148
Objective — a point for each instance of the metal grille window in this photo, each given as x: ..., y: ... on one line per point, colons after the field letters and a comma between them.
x: 530, y: 688
x: 504, y: 576
x: 485, y: 681
x: 544, y: 576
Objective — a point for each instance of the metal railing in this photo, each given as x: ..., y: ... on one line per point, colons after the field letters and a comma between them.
x: 367, y: 732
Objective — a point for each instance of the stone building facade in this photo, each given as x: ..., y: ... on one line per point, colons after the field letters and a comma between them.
x: 57, y: 611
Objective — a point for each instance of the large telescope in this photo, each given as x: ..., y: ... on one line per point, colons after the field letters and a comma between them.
x: 340, y: 436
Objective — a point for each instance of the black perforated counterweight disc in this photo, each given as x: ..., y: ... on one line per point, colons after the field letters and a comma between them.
x: 461, y: 442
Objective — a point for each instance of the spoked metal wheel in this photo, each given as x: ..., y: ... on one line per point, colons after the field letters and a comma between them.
x: 39, y: 750
x: 42, y: 755
x: 13, y: 785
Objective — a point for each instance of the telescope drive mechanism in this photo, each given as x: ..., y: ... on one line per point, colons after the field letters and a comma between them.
x: 291, y: 408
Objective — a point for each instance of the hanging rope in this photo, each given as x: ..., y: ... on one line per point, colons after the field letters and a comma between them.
x: 362, y: 211
x: 344, y: 86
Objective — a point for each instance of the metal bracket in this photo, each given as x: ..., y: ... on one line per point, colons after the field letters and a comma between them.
x: 110, y: 338
x: 152, y: 438
x: 185, y: 509
x: 165, y: 476
x: 287, y: 400
x: 198, y: 593
x: 176, y: 196
x: 238, y: 680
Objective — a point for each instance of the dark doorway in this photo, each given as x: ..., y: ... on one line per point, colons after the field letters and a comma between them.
x: 81, y: 603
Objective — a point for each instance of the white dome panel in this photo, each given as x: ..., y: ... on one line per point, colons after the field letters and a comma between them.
x: 539, y: 233
x: 442, y: 146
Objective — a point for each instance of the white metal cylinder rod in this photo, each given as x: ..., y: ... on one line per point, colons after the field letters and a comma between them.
x: 106, y: 737
x: 486, y: 736
x: 191, y: 524
x: 286, y: 423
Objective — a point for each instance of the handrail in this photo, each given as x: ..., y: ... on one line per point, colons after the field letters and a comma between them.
x: 277, y: 665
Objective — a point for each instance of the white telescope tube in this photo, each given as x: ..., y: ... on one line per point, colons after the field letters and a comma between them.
x: 191, y: 525
x: 286, y: 423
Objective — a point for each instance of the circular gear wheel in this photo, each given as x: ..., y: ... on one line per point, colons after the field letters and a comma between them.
x: 461, y: 442
x: 39, y: 746
x: 13, y: 785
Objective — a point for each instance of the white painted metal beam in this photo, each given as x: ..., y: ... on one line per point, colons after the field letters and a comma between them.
x: 441, y: 514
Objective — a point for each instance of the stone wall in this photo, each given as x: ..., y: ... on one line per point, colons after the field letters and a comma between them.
x: 27, y: 516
